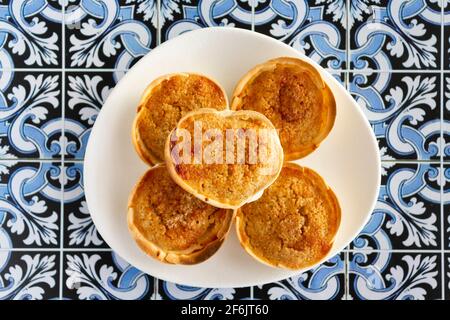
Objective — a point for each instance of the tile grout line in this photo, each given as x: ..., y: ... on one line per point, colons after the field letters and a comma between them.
x: 441, y: 176
x: 63, y: 147
x: 156, y: 288
x: 347, y: 36
x: 252, y: 27
x: 346, y: 275
x: 158, y: 23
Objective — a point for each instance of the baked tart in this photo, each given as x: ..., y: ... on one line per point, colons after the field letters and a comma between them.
x: 292, y: 94
x: 232, y: 166
x: 170, y: 224
x: 294, y: 223
x: 164, y: 102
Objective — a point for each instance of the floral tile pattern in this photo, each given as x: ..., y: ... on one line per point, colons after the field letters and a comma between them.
x: 30, y: 205
x: 389, y: 275
x: 389, y: 35
x: 173, y: 291
x: 446, y: 118
x: 404, y: 111
x: 30, y: 116
x: 407, y: 214
x: 109, y: 33
x: 30, y: 34
x: 179, y: 16
x: 29, y: 275
x: 85, y: 94
x: 324, y: 282
x: 103, y: 276
x: 447, y: 276
x: 316, y: 28
x: 80, y: 231
x: 446, y: 204
x: 59, y: 60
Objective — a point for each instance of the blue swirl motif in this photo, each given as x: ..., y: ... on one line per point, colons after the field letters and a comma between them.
x: 80, y: 227
x: 307, y: 30
x: 387, y: 26
x: 320, y: 283
x: 409, y: 219
x: 205, y: 13
x: 398, y: 116
x: 176, y: 291
x: 408, y: 280
x: 23, y: 205
x: 86, y: 95
x: 117, y: 23
x: 24, y: 112
x: 29, y: 39
x: 25, y: 281
x: 94, y: 279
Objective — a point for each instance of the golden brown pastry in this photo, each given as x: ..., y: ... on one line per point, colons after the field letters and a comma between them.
x: 164, y: 102
x: 292, y: 94
x: 294, y: 223
x: 170, y: 224
x: 229, y: 178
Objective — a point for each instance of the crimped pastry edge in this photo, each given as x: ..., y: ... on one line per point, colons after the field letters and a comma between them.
x: 145, y: 153
x: 187, y: 257
x: 317, y: 78
x: 244, y: 240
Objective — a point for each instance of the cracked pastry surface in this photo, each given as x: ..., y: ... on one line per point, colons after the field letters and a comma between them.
x: 292, y: 94
x: 164, y: 102
x: 294, y: 223
x: 172, y: 225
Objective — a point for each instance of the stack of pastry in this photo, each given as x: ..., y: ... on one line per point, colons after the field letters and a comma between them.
x: 180, y: 212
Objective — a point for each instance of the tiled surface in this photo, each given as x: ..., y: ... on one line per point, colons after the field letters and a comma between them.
x: 172, y: 291
x: 57, y: 66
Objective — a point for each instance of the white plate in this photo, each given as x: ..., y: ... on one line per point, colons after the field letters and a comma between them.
x: 348, y: 159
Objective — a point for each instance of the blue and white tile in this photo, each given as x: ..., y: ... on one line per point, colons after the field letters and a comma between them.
x: 180, y: 16
x: 446, y: 203
x: 173, y: 291
x: 109, y: 33
x: 316, y: 28
x: 400, y: 34
x: 79, y: 229
x: 386, y: 275
x: 407, y: 215
x: 30, y: 204
x: 30, y: 114
x: 446, y: 119
x: 341, y: 77
x: 103, y: 275
x: 403, y: 110
x: 30, y: 34
x: 447, y: 275
x: 29, y: 275
x: 446, y: 39
x: 86, y: 92
x: 325, y: 282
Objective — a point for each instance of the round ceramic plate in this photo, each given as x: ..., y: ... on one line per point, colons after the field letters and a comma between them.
x: 348, y: 159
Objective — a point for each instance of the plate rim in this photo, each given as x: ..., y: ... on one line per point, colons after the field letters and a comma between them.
x: 325, y: 73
